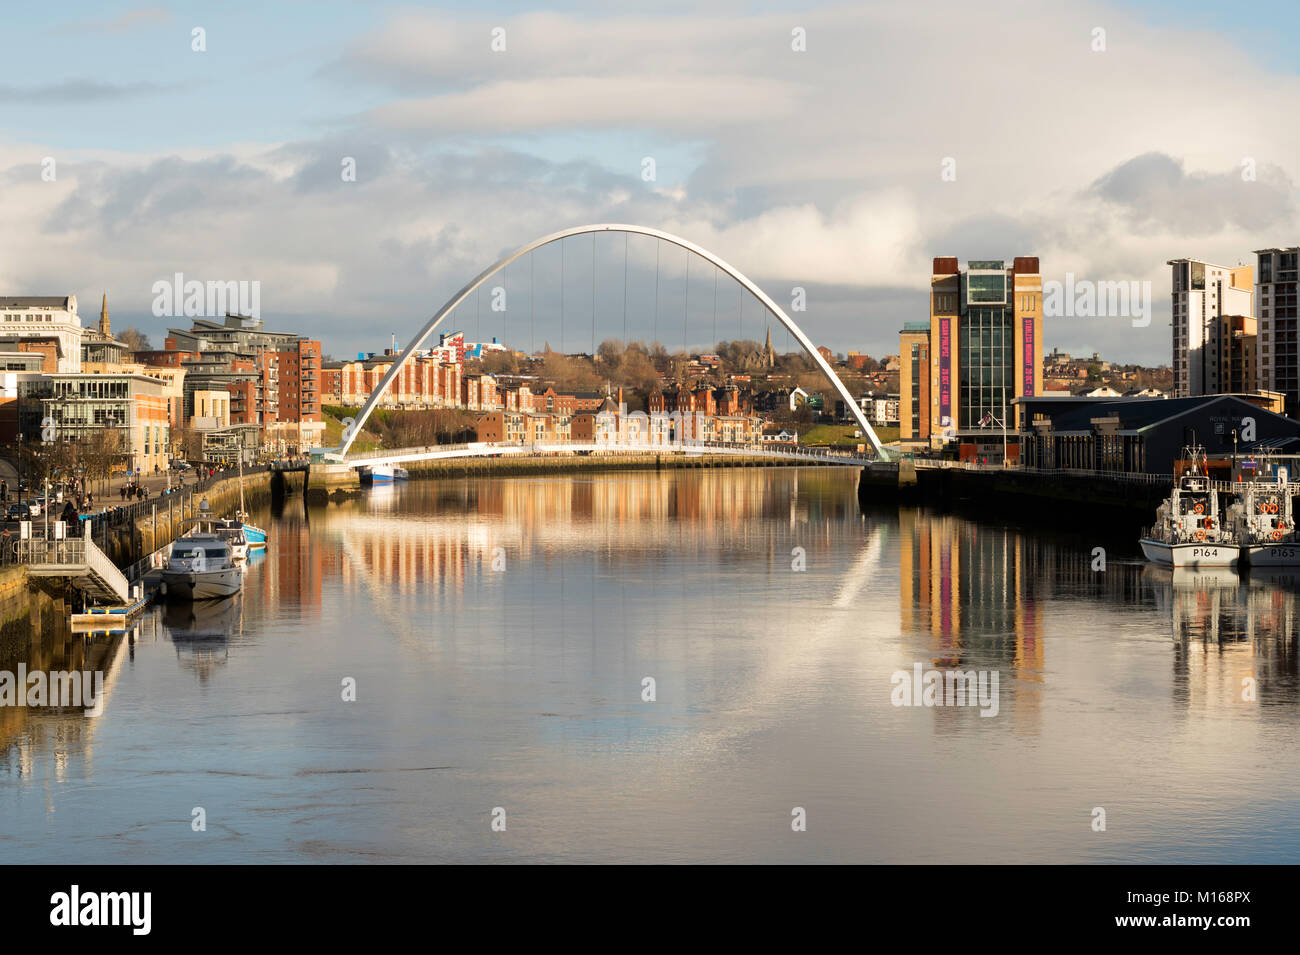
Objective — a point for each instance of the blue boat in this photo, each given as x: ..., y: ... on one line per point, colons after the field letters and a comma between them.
x: 255, y: 535
x: 383, y: 474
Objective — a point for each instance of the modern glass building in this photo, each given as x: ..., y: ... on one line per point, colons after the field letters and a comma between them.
x: 986, y: 346
x: 983, y: 345
x: 1277, y: 281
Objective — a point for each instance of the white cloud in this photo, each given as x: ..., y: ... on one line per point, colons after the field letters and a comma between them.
x: 816, y: 168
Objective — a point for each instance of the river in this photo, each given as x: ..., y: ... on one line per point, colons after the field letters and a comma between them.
x: 684, y: 666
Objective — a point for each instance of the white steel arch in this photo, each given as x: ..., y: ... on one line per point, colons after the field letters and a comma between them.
x: 806, y: 343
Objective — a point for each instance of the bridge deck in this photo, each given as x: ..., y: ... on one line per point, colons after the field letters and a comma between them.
x: 478, y: 449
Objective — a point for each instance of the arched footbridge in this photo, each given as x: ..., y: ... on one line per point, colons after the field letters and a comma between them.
x: 341, y: 455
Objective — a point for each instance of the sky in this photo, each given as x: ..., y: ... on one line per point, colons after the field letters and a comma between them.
x: 128, y: 155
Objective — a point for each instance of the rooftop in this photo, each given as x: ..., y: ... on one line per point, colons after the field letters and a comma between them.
x: 36, y: 301
x: 1077, y: 412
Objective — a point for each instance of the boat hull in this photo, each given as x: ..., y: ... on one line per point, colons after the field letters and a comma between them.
x: 200, y: 585
x: 383, y: 474
x: 1191, y: 554
x: 1273, y: 555
x: 255, y: 536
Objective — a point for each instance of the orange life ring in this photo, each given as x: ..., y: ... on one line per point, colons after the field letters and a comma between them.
x: 1272, y: 507
x: 1200, y: 535
x: 1263, y: 507
x: 1200, y: 507
x: 1277, y: 535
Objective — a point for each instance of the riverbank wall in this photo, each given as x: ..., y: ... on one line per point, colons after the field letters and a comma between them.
x: 1062, y: 501
x: 25, y: 613
x: 131, y: 533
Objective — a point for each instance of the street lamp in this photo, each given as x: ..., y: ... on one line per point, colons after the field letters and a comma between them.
x: 110, y: 423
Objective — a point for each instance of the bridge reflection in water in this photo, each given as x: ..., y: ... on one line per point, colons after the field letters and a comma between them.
x: 500, y: 631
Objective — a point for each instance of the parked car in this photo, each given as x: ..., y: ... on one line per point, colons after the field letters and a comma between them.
x: 19, y: 511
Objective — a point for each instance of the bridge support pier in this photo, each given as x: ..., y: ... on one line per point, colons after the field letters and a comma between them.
x: 325, y: 481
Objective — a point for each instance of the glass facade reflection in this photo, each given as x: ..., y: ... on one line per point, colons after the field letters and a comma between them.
x: 987, y: 366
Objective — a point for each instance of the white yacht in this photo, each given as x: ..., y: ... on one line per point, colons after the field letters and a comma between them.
x: 1189, y: 531
x: 201, y: 567
x: 234, y: 534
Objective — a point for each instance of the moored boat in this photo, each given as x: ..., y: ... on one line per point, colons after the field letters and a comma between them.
x: 1188, y: 531
x: 383, y: 474
x: 201, y: 567
x: 255, y: 536
x: 1264, y: 513
x: 232, y: 532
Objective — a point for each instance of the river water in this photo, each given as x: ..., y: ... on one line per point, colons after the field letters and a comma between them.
x: 501, y: 635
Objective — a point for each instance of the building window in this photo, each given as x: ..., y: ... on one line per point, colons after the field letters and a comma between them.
x: 987, y: 359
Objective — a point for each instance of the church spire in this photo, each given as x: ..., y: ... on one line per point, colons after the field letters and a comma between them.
x: 104, y: 328
x: 769, y: 357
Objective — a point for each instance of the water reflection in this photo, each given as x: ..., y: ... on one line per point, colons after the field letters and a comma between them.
x: 500, y: 631
x: 1233, y: 635
x: 202, y: 632
x: 51, y: 737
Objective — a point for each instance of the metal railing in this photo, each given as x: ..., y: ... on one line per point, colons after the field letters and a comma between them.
x: 113, y: 514
x: 74, y: 552
x: 423, y: 449
x: 1125, y: 476
x: 181, y: 500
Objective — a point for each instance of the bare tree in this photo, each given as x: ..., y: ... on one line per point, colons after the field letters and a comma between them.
x: 99, y: 452
x: 135, y: 339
